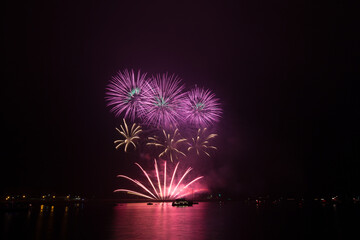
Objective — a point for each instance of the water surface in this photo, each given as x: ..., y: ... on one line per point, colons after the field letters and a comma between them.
x: 206, y: 220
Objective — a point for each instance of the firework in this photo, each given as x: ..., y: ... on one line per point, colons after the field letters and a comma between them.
x: 169, y: 143
x: 164, y: 191
x: 200, y: 143
x: 201, y: 108
x: 162, y: 102
x: 125, y: 93
x: 130, y: 136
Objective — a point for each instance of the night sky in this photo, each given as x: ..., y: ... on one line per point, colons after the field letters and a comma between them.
x: 285, y: 73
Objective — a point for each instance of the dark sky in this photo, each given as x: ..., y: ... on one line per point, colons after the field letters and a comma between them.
x: 285, y: 73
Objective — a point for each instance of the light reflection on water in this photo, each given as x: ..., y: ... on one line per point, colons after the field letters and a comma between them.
x: 37, y: 222
x: 141, y: 221
x: 207, y: 220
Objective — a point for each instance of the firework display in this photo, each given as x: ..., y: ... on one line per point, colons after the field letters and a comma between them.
x: 169, y: 143
x: 130, y: 136
x: 164, y: 109
x: 160, y: 101
x: 200, y: 143
x: 175, y: 189
x: 201, y: 108
x: 125, y: 93
x: 163, y: 101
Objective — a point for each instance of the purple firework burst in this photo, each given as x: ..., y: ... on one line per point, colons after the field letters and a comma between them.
x: 163, y: 101
x: 125, y: 93
x: 201, y: 108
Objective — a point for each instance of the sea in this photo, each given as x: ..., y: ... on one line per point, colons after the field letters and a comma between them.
x: 205, y: 220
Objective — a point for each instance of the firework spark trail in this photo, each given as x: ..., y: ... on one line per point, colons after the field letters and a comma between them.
x: 147, y: 176
x: 125, y: 93
x: 187, y: 171
x: 201, y: 108
x: 165, y: 178
x: 201, y: 142
x: 169, y: 144
x: 162, y: 102
x: 130, y: 136
x: 158, y: 178
x: 187, y: 185
x: 134, y: 193
x: 166, y: 193
x: 138, y: 183
x: 172, y: 178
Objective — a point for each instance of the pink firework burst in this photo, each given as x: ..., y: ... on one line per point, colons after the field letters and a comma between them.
x: 163, y: 101
x: 201, y: 108
x: 165, y: 190
x: 125, y: 93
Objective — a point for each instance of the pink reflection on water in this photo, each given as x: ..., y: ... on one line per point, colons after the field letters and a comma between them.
x: 158, y: 221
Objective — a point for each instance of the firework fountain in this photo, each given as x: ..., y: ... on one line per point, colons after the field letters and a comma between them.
x: 163, y: 191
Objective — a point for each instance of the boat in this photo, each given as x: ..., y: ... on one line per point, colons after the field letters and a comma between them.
x: 149, y: 203
x: 181, y: 202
